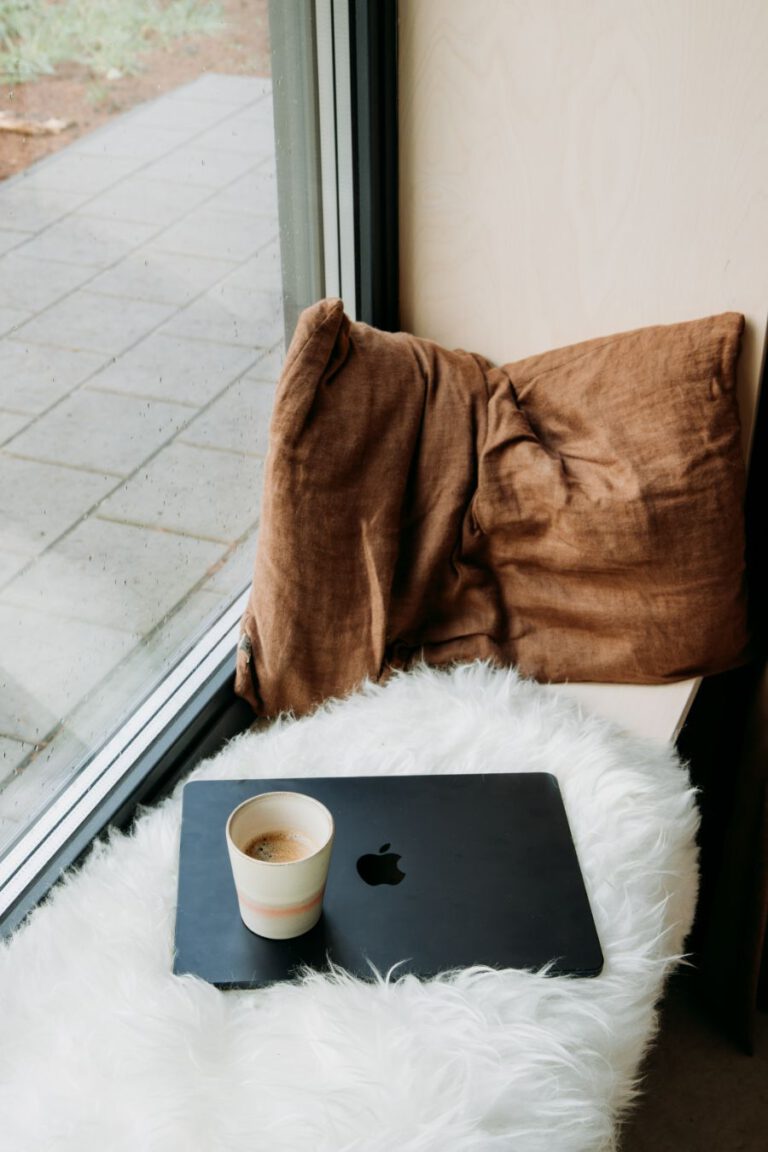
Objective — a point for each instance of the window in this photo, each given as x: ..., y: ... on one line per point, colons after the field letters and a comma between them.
x: 151, y: 271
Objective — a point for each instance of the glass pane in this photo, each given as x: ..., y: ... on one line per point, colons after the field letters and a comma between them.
x: 141, y: 334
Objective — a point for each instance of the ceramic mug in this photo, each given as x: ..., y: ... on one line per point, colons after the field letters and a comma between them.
x: 279, y: 847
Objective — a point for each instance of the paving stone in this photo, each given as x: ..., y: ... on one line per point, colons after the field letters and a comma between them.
x: 147, y: 142
x: 69, y: 171
x: 176, y: 114
x: 263, y: 272
x: 24, y: 717
x: 101, y: 431
x: 86, y: 240
x: 95, y: 323
x: 10, y: 239
x: 209, y: 167
x: 10, y: 424
x: 235, y: 572
x: 259, y: 279
x: 174, y: 636
x: 29, y: 285
x: 259, y: 110
x: 269, y: 367
x: 164, y: 277
x: 32, y: 377
x: 12, y: 754
x: 39, y: 502
x: 207, y: 494
x: 238, y: 421
x: 269, y: 166
x: 155, y: 202
x: 256, y: 192
x: 11, y: 319
x: 48, y: 663
x: 83, y: 671
x: 231, y: 318
x: 217, y: 87
x: 249, y: 284
x: 253, y: 135
x: 10, y: 564
x: 230, y: 235
x: 124, y: 688
x: 28, y: 209
x: 172, y: 368
x: 114, y: 574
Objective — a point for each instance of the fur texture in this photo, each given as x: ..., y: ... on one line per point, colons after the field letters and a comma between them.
x: 102, y: 1048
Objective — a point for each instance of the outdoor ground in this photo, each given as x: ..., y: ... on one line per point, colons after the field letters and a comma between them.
x: 75, y: 94
x: 141, y: 335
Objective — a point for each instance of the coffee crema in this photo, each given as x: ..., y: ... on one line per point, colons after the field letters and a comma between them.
x: 282, y: 846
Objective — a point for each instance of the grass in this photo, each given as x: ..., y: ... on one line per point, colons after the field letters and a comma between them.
x: 36, y: 36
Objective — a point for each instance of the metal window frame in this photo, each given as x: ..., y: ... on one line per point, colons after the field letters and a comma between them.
x: 194, y: 708
x: 333, y: 22
x: 375, y: 136
x: 357, y: 85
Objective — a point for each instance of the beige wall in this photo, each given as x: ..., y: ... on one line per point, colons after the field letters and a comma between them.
x: 572, y: 168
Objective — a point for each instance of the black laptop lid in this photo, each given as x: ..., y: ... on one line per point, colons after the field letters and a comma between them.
x: 428, y: 873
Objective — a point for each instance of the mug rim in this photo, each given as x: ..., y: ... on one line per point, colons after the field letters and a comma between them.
x: 279, y: 863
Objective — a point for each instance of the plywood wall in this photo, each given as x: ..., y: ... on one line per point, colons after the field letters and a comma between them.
x: 571, y: 169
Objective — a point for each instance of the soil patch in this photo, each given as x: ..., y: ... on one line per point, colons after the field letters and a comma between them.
x: 75, y: 94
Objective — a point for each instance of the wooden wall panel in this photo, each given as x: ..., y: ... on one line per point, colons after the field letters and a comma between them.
x: 574, y: 169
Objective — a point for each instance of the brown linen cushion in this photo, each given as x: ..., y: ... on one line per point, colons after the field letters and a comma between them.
x: 577, y: 514
x: 617, y: 528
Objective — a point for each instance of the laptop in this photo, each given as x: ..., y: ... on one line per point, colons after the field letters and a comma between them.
x: 428, y: 873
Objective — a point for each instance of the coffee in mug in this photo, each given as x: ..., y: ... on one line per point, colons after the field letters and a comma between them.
x: 280, y: 847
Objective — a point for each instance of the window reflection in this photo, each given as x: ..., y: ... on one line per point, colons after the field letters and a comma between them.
x: 140, y: 338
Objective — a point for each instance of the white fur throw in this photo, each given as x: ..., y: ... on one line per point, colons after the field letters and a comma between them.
x: 102, y: 1048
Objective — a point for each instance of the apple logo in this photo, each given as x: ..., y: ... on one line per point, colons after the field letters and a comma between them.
x: 381, y: 869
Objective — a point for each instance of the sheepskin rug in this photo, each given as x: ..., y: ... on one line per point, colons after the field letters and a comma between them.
x: 103, y: 1048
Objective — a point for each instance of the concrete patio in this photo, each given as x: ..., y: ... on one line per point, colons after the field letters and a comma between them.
x: 140, y: 339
